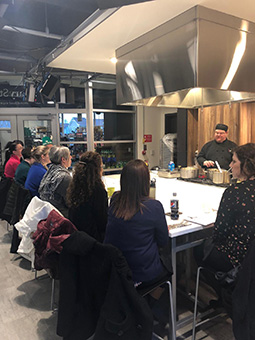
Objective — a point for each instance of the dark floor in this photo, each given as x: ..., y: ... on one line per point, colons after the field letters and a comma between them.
x: 25, y: 312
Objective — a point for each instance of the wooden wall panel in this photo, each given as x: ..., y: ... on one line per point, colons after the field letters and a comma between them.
x: 208, y: 117
x: 245, y: 124
x: 240, y: 117
x: 252, y: 120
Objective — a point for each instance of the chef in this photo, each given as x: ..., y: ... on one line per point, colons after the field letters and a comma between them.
x: 219, y: 149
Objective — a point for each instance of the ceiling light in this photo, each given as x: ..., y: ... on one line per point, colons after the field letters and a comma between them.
x: 114, y: 60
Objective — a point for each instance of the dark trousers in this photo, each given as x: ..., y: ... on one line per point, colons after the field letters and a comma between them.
x: 214, y: 262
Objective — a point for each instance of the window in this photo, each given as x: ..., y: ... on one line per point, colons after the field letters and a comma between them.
x: 5, y: 124
x: 35, y: 130
x: 73, y: 127
x: 113, y: 126
x: 115, y: 155
x: 113, y: 136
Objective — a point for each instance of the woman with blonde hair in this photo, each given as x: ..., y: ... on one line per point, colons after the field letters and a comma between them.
x: 87, y: 197
x: 38, y: 169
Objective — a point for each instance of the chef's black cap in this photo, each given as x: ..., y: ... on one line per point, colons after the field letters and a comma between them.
x: 221, y: 127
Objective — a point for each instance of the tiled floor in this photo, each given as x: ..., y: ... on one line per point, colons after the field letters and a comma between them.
x: 25, y: 303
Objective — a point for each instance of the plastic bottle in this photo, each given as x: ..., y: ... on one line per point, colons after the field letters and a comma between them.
x: 171, y: 166
x: 174, y: 207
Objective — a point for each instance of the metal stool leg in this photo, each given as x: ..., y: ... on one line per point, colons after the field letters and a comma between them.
x: 195, y: 304
x: 171, y: 307
x: 52, y: 294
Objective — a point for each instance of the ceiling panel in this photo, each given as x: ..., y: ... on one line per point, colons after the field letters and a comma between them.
x: 93, y: 52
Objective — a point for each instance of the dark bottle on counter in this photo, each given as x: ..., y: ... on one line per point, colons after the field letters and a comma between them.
x: 174, y: 207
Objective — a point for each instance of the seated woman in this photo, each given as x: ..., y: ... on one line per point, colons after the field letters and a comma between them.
x: 55, y: 182
x: 234, y: 228
x: 12, y: 158
x: 87, y: 198
x: 24, y: 166
x: 38, y: 169
x: 137, y: 224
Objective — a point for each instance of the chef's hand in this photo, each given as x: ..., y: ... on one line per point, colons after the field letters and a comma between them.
x: 208, y: 164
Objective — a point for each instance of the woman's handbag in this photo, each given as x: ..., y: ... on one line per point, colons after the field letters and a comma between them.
x: 228, y: 279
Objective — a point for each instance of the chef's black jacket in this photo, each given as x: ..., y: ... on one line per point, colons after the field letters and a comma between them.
x: 220, y: 152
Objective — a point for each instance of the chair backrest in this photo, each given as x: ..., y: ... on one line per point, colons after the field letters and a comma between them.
x: 17, y: 201
x: 4, y: 188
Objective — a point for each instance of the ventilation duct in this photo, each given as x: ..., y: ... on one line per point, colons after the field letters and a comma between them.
x: 200, y: 58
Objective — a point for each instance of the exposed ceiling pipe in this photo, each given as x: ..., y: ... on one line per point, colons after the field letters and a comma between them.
x: 104, y: 82
x: 32, y: 32
x: 16, y: 57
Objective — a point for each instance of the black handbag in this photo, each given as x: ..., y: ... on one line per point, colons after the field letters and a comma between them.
x: 228, y: 279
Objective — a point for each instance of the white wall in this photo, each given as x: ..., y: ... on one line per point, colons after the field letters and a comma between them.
x: 151, y: 121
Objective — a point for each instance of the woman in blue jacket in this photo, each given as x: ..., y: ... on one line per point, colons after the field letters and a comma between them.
x: 137, y: 224
x: 38, y: 169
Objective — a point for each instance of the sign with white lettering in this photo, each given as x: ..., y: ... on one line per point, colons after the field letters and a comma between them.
x: 11, y: 92
x: 147, y: 138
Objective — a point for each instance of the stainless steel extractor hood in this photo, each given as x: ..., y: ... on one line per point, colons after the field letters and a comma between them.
x: 202, y: 57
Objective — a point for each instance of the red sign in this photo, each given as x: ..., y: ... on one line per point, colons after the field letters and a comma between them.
x: 147, y: 138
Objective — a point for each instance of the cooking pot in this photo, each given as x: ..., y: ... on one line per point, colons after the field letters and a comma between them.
x: 226, y: 176
x: 210, y: 173
x: 221, y: 177
x: 189, y: 172
x: 218, y: 177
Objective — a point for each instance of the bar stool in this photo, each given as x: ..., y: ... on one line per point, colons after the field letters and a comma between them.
x: 53, y: 287
x: 146, y: 290
x: 196, y: 301
x: 195, y: 304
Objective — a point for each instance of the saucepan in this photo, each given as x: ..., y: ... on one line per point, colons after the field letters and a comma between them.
x: 189, y: 172
x: 221, y: 177
x: 210, y: 173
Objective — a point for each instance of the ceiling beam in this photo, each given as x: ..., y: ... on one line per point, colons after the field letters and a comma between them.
x: 78, y: 5
x: 16, y: 29
x: 17, y: 57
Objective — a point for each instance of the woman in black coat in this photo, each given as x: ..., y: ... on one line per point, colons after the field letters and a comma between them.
x: 87, y: 197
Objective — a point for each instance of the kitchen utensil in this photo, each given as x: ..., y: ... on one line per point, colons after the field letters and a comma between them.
x: 218, y: 166
x: 226, y: 176
x: 168, y: 174
x: 189, y: 172
x: 218, y: 177
x: 210, y: 173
